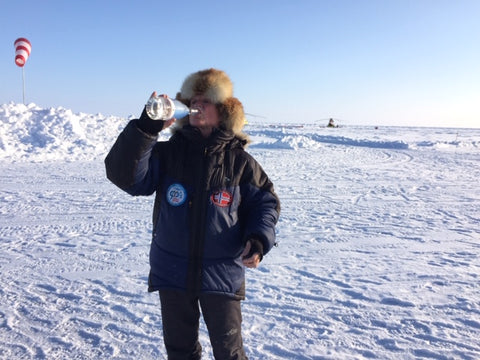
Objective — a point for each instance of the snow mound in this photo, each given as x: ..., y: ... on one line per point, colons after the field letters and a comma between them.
x: 34, y: 134
x: 29, y: 132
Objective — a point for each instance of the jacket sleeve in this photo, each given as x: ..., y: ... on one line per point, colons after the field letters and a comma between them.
x: 129, y: 163
x: 260, y: 205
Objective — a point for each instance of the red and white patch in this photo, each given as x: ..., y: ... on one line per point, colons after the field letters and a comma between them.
x: 221, y: 198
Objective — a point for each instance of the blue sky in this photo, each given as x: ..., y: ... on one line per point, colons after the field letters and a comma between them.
x: 371, y: 62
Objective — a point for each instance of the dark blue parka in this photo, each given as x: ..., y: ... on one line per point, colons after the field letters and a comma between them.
x: 211, y: 197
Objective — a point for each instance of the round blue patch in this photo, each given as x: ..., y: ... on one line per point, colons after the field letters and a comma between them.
x: 176, y: 195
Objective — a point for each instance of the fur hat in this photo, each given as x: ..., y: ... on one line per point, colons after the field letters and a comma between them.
x: 216, y: 86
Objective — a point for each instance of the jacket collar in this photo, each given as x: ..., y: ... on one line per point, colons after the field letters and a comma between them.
x: 219, y: 138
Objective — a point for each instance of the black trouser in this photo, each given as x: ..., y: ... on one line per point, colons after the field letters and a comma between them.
x: 180, y: 318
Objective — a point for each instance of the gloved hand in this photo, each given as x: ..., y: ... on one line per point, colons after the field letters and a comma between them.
x: 148, y: 125
x: 253, y: 253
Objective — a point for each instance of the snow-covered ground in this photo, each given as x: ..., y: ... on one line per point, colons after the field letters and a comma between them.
x: 378, y: 256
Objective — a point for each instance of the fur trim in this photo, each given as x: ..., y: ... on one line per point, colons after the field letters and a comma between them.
x: 211, y: 83
x: 216, y: 86
x: 232, y: 116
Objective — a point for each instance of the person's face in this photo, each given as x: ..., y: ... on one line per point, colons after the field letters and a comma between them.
x: 207, y: 116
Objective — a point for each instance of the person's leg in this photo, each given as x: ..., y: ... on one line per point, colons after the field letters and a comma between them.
x: 180, y: 319
x: 223, y: 318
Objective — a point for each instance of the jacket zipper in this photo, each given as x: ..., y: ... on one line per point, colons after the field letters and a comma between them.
x: 198, y: 234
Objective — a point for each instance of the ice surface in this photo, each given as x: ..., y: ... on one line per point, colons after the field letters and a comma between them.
x: 378, y: 256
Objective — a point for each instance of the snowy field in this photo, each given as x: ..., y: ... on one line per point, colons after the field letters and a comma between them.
x: 378, y: 256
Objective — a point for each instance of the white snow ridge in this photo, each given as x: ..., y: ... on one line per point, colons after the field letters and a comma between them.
x: 378, y: 256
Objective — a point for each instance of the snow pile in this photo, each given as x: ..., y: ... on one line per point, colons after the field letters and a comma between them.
x: 30, y: 133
